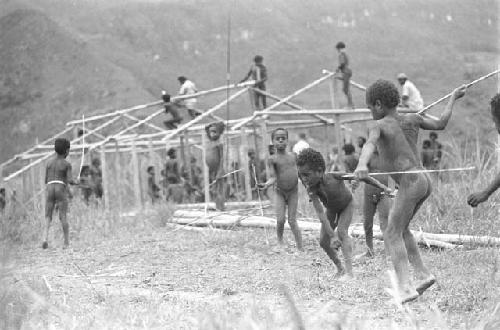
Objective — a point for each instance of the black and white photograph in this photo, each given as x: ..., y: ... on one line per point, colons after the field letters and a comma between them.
x: 250, y: 165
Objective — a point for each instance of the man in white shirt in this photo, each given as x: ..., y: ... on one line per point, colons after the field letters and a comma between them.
x: 301, y: 144
x: 410, y: 96
x: 188, y: 88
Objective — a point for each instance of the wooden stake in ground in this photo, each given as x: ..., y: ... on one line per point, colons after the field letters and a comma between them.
x: 244, y: 164
x: 135, y: 174
x: 105, y: 179
x: 206, y: 179
x: 118, y: 176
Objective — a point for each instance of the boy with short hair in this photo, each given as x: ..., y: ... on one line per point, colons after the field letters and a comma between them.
x: 350, y: 159
x: 57, y: 176
x: 170, y: 108
x: 481, y: 196
x: 397, y: 154
x: 153, y: 189
x: 215, y: 162
x: 175, y: 191
x: 283, y: 175
x: 96, y: 176
x: 328, y: 191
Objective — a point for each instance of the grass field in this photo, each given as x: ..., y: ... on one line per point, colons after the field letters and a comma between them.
x: 142, y: 272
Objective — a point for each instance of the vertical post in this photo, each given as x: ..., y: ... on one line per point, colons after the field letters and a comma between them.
x: 188, y: 152
x: 33, y: 188
x: 326, y: 144
x: 25, y: 195
x: 105, y: 179
x: 338, y: 137
x: 244, y: 163
x: 206, y: 180
x: 118, y: 175
x: 41, y: 181
x: 498, y: 90
x: 331, y: 85
x: 136, y: 176
x: 265, y: 143
x: 183, y: 153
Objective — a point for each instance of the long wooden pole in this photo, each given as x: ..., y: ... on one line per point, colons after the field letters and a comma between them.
x: 244, y: 165
x: 286, y: 99
x: 118, y: 177
x: 105, y: 180
x: 353, y: 83
x: 136, y: 176
x: 206, y: 179
x: 189, y: 156
x: 33, y: 189
x: 265, y: 144
x: 118, y: 113
x: 451, y: 93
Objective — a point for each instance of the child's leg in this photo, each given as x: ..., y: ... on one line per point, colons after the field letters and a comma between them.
x: 49, y: 209
x: 220, y: 195
x: 63, y: 211
x: 279, y: 207
x: 383, y: 208
x: 369, y: 208
x: 293, y: 202
x: 426, y: 279
x: 347, y: 89
x: 324, y: 242
x: 345, y: 218
x: 411, y: 191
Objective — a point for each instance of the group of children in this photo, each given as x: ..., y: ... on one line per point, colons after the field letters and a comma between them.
x: 391, y: 147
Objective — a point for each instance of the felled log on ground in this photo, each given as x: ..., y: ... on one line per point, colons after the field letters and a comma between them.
x: 357, y: 229
x: 228, y: 220
x: 229, y: 205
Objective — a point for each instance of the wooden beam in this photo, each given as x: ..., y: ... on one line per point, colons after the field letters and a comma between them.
x: 286, y: 99
x: 118, y: 177
x: 126, y: 115
x: 136, y: 176
x: 244, y: 164
x: 105, y: 180
x: 206, y: 180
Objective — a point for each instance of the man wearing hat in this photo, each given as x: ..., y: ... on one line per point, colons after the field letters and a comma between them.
x: 410, y: 96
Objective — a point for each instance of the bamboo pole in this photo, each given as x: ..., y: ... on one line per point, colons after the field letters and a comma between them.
x: 338, y: 137
x: 204, y: 115
x: 10, y: 161
x: 265, y: 143
x: 244, y: 165
x: 352, y: 83
x: 33, y: 189
x: 136, y: 176
x: 118, y: 113
x: 451, y: 93
x: 147, y: 124
x: 13, y: 175
x: 189, y: 156
x: 206, y: 179
x: 290, y: 104
x: 286, y: 99
x: 118, y: 176
x: 105, y: 180
x: 183, y: 152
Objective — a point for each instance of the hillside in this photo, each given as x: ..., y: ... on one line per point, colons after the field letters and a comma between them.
x: 140, y: 47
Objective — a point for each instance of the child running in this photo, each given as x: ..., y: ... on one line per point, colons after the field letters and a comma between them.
x: 283, y: 175
x: 329, y: 190
x: 397, y: 154
x: 57, y: 176
x: 481, y: 196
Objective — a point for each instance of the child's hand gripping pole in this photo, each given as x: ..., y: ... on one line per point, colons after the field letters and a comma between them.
x: 370, y: 180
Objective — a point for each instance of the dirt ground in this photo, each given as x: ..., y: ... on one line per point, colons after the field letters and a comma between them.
x: 171, y: 278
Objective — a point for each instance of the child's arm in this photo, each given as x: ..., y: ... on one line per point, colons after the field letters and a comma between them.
x: 69, y: 175
x: 440, y: 123
x: 247, y: 76
x: 272, y: 174
x: 321, y: 215
x: 361, y: 171
x: 477, y: 198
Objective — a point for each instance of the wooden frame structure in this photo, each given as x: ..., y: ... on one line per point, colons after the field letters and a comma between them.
x: 127, y: 143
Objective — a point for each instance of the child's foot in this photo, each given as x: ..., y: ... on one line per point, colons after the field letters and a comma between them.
x: 407, y: 296
x: 425, y: 284
x: 45, y: 245
x: 367, y: 255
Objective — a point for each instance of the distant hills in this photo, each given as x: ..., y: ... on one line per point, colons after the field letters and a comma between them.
x: 59, y: 59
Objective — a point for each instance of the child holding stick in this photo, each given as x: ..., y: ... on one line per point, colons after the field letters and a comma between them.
x: 283, y: 175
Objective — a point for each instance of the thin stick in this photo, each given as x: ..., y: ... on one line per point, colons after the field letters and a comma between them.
x: 225, y: 175
x: 258, y: 190
x: 83, y: 148
x: 352, y: 176
x: 451, y: 93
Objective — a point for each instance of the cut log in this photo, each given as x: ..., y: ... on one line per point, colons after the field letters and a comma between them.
x: 229, y: 205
